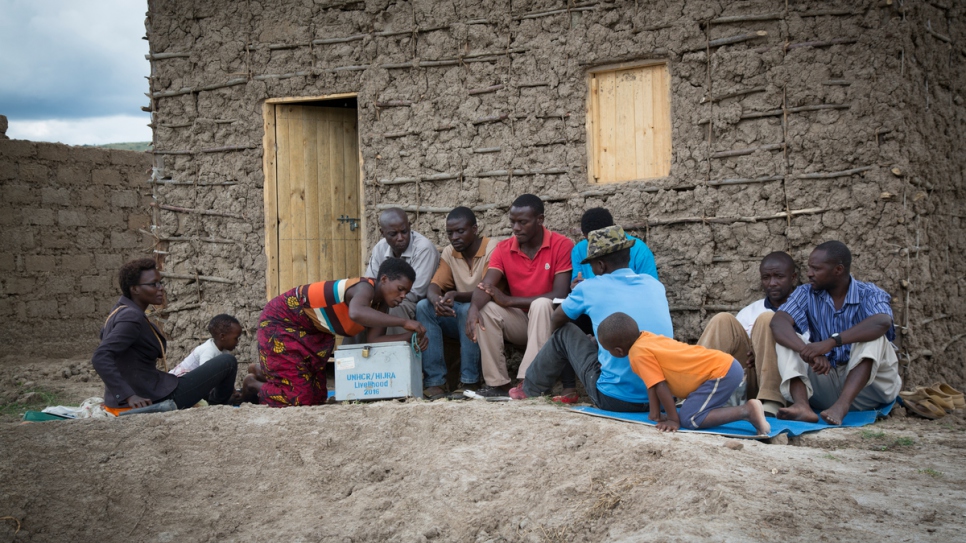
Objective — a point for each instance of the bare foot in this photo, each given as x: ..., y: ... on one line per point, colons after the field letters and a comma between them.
x: 756, y: 415
x: 799, y: 412
x: 834, y: 415
x: 250, y: 388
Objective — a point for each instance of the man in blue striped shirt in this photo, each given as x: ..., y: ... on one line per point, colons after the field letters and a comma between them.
x: 850, y: 362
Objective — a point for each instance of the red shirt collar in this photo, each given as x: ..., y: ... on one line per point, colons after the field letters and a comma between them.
x: 515, y: 244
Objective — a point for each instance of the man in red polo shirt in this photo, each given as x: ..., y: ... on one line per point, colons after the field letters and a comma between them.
x: 535, y: 263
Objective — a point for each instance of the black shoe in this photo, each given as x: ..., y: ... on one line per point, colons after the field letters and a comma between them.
x: 487, y: 391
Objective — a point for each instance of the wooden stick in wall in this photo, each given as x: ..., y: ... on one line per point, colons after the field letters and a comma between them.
x: 935, y: 34
x: 346, y: 39
x: 818, y: 107
x: 832, y: 175
x: 391, y: 33
x: 827, y: 12
x: 284, y: 46
x: 433, y: 177
x: 722, y: 220
x: 396, y: 66
x: 745, y: 181
x: 435, y: 63
x: 228, y: 148
x: 391, y: 135
x: 191, y: 183
x: 537, y: 15
x: 490, y: 119
x: 187, y: 277
x: 745, y: 18
x: 208, y: 150
x: 357, y: 68
x: 731, y: 40
x: 747, y: 151
x: 733, y: 94
x: 178, y: 209
x: 163, y: 56
x: 485, y: 90
x: 837, y: 41
x: 266, y: 77
x: 229, y: 83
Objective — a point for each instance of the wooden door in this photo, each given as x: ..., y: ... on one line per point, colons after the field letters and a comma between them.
x: 311, y: 182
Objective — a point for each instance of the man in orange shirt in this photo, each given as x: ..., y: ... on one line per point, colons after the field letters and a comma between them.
x: 704, y: 378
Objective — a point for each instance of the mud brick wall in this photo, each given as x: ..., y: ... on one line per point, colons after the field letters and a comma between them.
x: 820, y: 120
x: 69, y: 217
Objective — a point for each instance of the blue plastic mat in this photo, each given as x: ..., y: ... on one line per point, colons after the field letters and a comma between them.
x: 744, y: 429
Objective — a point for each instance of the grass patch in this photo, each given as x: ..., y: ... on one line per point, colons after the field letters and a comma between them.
x: 932, y: 473
x: 896, y: 443
x: 873, y: 434
x: 831, y: 456
x: 41, y: 398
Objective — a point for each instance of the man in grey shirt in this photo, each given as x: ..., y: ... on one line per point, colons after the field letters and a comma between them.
x: 399, y: 241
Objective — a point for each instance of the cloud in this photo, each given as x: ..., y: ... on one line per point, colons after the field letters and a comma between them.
x: 89, y: 131
x: 64, y: 59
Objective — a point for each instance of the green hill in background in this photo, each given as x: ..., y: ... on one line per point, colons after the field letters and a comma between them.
x: 129, y: 146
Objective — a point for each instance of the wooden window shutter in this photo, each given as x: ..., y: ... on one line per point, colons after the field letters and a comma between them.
x: 629, y: 123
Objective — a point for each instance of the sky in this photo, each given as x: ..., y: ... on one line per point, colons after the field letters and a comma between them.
x: 73, y: 71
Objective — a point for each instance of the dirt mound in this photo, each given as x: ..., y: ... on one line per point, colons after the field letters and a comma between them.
x: 468, y: 471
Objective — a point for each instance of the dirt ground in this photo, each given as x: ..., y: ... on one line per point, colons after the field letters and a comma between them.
x: 458, y: 471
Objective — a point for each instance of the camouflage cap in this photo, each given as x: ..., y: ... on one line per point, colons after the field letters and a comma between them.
x: 606, y: 241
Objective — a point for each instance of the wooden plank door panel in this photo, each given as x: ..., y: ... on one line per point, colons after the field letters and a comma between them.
x: 315, y: 182
x: 353, y: 200
x: 269, y: 158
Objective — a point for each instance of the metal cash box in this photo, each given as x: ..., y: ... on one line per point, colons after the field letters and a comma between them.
x: 373, y: 371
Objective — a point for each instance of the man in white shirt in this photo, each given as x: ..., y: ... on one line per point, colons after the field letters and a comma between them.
x: 399, y: 241
x: 748, y: 335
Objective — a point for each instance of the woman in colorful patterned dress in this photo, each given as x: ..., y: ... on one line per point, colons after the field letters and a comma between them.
x: 296, y: 331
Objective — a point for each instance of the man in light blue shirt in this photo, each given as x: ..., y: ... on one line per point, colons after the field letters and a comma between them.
x: 642, y: 260
x: 609, y: 381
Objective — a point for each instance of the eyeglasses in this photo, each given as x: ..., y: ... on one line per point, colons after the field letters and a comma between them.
x: 156, y: 284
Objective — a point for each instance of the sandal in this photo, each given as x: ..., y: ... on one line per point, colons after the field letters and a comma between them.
x: 434, y: 393
x: 923, y: 408
x: 959, y: 401
x: 939, y: 398
x: 567, y: 397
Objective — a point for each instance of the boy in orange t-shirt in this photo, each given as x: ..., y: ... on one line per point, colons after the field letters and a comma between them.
x: 704, y: 378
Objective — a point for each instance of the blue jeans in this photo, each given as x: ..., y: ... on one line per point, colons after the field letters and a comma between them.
x: 213, y: 381
x: 434, y: 366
